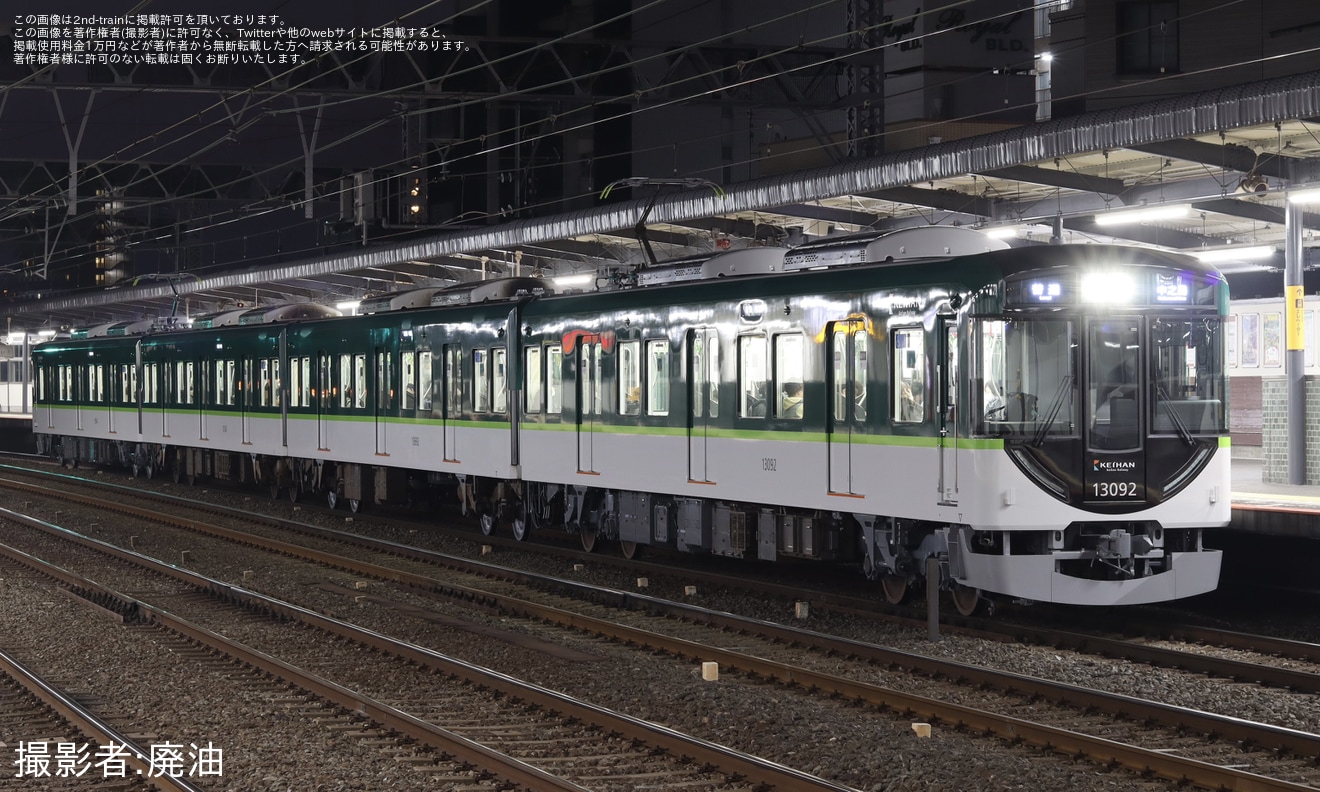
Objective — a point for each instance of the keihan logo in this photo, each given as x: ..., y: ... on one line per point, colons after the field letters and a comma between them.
x: 1109, y: 466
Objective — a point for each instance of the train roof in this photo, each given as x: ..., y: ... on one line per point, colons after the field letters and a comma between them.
x: 904, y: 244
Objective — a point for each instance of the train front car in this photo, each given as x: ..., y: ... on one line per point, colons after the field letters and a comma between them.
x: 1096, y: 446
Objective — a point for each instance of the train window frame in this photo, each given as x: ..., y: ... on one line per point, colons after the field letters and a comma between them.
x: 263, y: 369
x: 789, y: 374
x: 657, y: 377
x: 629, y: 377
x: 345, y: 380
x: 480, y: 381
x: 149, y: 390
x: 360, y: 381
x: 705, y: 372
x: 384, y: 381
x: 499, y: 380
x: 753, y: 352
x: 408, y: 378
x: 554, y: 379
x: 907, y: 404
x: 453, y: 391
x: 425, y: 381
x: 532, y: 376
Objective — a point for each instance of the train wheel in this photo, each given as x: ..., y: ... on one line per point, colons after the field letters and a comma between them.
x: 149, y: 469
x: 274, y: 488
x: 587, y: 533
x: 176, y: 470
x: 520, y: 525
x: 332, y: 498
x: 896, y: 589
x: 294, y: 491
x: 966, y: 599
x: 354, y: 505
x: 487, y: 521
x: 631, y: 550
x: 192, y: 479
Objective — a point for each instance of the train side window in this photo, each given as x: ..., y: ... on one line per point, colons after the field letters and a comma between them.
x: 360, y: 381
x: 554, y: 380
x: 480, y: 381
x: 345, y: 381
x: 788, y: 375
x: 384, y: 381
x: 305, y: 386
x: 425, y: 392
x: 657, y: 377
x: 752, y: 380
x: 908, y: 377
x: 706, y: 373
x: 408, y: 371
x: 630, y: 379
x: 234, y: 385
x: 276, y: 383
x: 189, y: 374
x: 149, y: 383
x: 301, y: 386
x: 295, y: 383
x: 499, y: 379
x: 454, y: 381
x: 179, y: 387
x: 263, y: 367
x: 532, y: 378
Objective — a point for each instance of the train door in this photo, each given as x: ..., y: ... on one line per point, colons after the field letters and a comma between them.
x: 325, y: 394
x: 703, y: 376
x: 244, y: 396
x: 384, y: 399
x: 79, y: 396
x: 452, y: 395
x: 164, y: 395
x: 589, y: 393
x: 947, y: 378
x: 1114, y: 405
x: 846, y: 410
x: 205, y: 372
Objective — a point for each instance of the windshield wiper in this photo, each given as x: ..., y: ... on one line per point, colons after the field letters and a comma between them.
x: 1183, y: 431
x: 1054, y: 411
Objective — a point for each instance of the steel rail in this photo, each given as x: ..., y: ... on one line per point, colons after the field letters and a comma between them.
x: 726, y: 760
x: 93, y: 727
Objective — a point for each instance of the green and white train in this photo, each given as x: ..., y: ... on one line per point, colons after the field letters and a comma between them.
x: 1049, y: 423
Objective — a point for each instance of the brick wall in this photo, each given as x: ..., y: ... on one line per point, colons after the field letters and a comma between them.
x: 1276, y: 431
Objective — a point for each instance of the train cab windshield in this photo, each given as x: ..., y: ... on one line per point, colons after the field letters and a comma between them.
x: 1025, y: 378
x: 1029, y: 387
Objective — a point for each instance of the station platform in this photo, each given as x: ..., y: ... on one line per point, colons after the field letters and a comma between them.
x: 1275, y: 509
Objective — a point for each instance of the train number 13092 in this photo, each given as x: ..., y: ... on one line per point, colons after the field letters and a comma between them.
x: 1114, y: 489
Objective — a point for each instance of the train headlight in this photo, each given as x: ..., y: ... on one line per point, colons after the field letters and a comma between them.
x: 1108, y: 287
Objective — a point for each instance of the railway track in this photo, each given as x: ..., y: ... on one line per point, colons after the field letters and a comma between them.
x: 457, y: 709
x: 1214, y: 765
x: 66, y: 743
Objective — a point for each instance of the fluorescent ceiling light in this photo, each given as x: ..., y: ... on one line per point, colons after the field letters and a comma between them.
x: 45, y: 333
x: 1143, y: 214
x: 351, y: 305
x: 1001, y: 232
x: 1304, y: 196
x: 1252, y: 253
